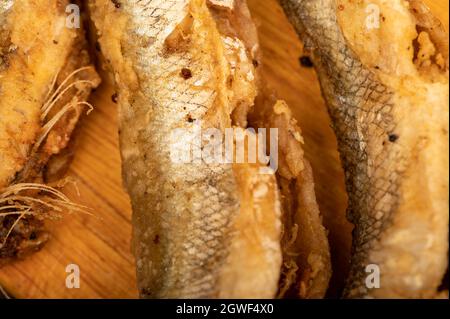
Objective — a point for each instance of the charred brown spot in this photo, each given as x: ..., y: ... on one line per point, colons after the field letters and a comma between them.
x: 255, y: 63
x: 115, y: 97
x: 230, y: 81
x: 190, y: 119
x: 186, y: 73
x: 116, y: 3
x: 393, y: 138
x: 97, y: 46
x: 156, y: 240
x: 306, y: 62
x: 22, y: 240
x: 146, y: 292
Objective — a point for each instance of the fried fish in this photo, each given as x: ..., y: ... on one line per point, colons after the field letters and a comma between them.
x: 45, y: 80
x: 198, y: 230
x: 201, y: 230
x: 383, y: 69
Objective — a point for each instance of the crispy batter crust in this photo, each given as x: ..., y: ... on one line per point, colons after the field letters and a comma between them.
x: 38, y: 63
x: 198, y: 229
x: 306, y: 270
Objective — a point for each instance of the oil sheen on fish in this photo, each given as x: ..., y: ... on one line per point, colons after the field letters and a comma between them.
x: 200, y: 230
x: 385, y: 80
x: 45, y: 80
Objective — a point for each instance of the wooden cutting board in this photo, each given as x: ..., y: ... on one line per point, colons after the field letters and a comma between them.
x: 100, y: 244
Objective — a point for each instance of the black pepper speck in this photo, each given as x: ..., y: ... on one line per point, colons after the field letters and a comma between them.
x: 306, y: 62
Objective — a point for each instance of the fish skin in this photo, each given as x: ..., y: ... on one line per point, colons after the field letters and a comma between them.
x: 397, y: 179
x: 198, y: 232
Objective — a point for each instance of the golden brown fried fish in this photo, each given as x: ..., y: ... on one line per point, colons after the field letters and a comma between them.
x: 383, y: 68
x: 201, y: 230
x: 45, y: 80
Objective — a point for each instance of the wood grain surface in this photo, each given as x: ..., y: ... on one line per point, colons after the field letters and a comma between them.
x: 100, y: 244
